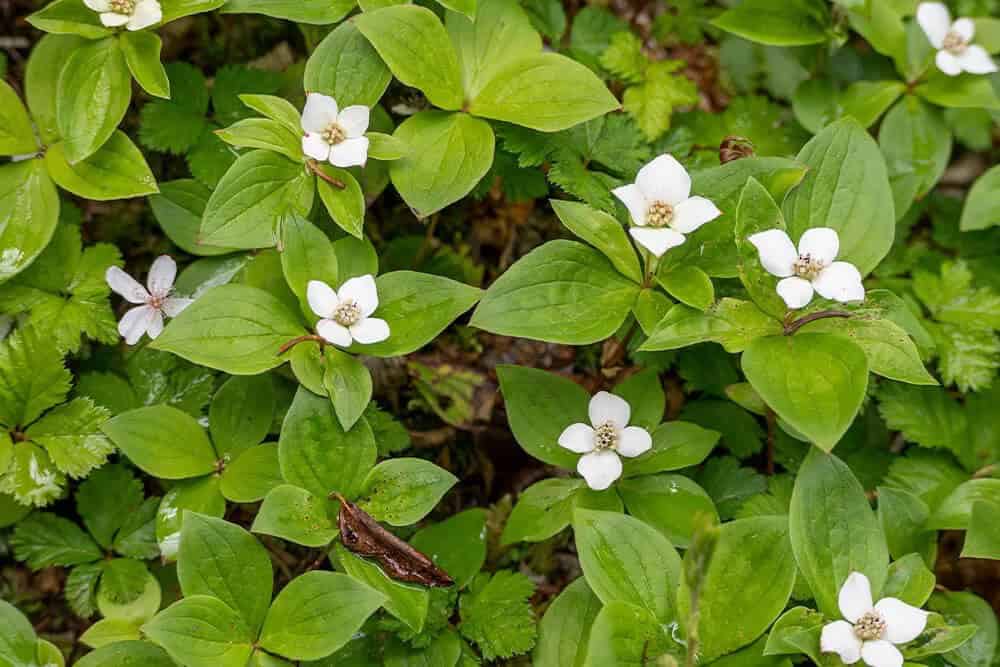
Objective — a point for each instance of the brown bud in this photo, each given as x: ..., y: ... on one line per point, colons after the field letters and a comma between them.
x: 734, y: 148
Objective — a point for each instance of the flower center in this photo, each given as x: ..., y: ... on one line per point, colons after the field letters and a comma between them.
x: 156, y: 300
x: 807, y: 267
x: 347, y: 313
x: 659, y: 214
x: 606, y: 436
x: 123, y: 6
x: 870, y: 627
x: 334, y: 134
x: 954, y: 43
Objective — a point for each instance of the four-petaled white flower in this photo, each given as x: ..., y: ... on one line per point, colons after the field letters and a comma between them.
x: 956, y: 52
x: 155, y: 302
x: 333, y: 134
x: 810, y: 268
x: 608, y: 438
x: 346, y: 313
x: 661, y: 205
x: 870, y: 631
x: 133, y: 14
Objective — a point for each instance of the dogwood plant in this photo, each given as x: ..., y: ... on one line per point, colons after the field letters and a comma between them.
x: 332, y: 134
x: 809, y: 269
x: 871, y: 631
x: 155, y: 300
x: 132, y: 14
x: 605, y: 440
x: 661, y: 206
x: 346, y: 313
x: 953, y: 40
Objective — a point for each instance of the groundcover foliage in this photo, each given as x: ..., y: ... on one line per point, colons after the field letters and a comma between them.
x: 460, y: 332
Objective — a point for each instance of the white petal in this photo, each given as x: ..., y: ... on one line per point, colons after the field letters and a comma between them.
x: 838, y: 637
x: 354, y: 120
x: 362, y: 292
x: 656, y: 241
x: 964, y: 27
x: 577, y: 438
x: 334, y: 333
x: 664, y: 179
x: 903, y: 622
x: 855, y: 599
x: 796, y: 292
x: 881, y: 654
x: 125, y: 285
x: 948, y: 63
x: 633, y: 441
x: 634, y: 201
x: 692, y: 213
x: 776, y: 250
x: 820, y: 243
x: 350, y: 153
x: 370, y: 330
x: 315, y: 146
x: 319, y: 112
x: 155, y: 327
x: 600, y: 469
x: 135, y: 322
x: 935, y: 21
x: 175, y: 305
x: 606, y: 407
x: 161, y: 275
x: 112, y: 20
x: 840, y: 281
x: 321, y: 297
x: 98, y: 5
x: 975, y: 60
x: 145, y: 14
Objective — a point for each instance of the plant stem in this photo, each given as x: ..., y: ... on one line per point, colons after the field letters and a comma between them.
x: 301, y: 339
x: 316, y: 169
x: 792, y: 327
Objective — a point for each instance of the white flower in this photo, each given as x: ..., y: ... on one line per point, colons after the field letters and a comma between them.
x: 660, y: 204
x: 809, y: 268
x: 330, y: 134
x: 133, y: 14
x: 872, y: 629
x: 956, y: 53
x: 346, y: 314
x: 155, y: 302
x: 603, y: 442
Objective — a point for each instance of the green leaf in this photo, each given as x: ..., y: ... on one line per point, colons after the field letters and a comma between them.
x: 732, y: 323
x: 938, y: 638
x: 201, y: 631
x: 676, y: 445
x: 417, y: 307
x: 792, y: 23
x: 41, y: 78
x: 320, y: 456
x: 689, y: 285
x: 903, y: 517
x: 175, y: 9
x: 652, y: 102
x: 95, y: 88
x: 221, y: 559
x: 17, y: 136
x: 497, y: 616
x: 109, y: 631
x: 815, y: 382
x: 31, y: 477
x: 909, y: 580
x: 963, y: 608
x: 263, y: 133
x: 29, y: 207
x: 252, y: 474
x: 347, y: 68
x: 982, y: 539
x: 624, y: 634
x: 981, y: 209
x: 561, y: 292
x: 127, y: 654
x: 307, y: 254
x: 626, y: 560
x: 457, y: 544
x: 17, y: 643
x: 44, y: 539
x: 137, y: 536
x: 757, y: 212
x: 200, y: 495
x: 962, y: 91
x: 403, y: 491
x: 833, y: 530
x: 540, y: 406
x: 385, y: 146
x: 106, y: 499
x: 866, y: 101
x: 241, y: 414
x: 323, y: 13
x: 178, y: 208
x: 547, y: 92
x: 295, y: 514
x: 277, y: 109
x: 116, y: 170
x: 753, y: 570
x: 856, y: 202
x: 669, y: 503
x: 407, y: 602
x: 345, y: 205
x: 601, y: 231
x: 565, y: 628
x: 128, y: 591
x: 142, y: 54
x: 415, y: 46
x: 916, y: 144
x: 32, y: 377
x: 254, y: 195
x: 69, y: 17
x: 449, y: 153
x: 542, y: 510
x: 316, y: 614
x: 70, y: 434
x: 233, y: 328
x: 349, y: 384
x: 955, y: 511
x: 163, y: 441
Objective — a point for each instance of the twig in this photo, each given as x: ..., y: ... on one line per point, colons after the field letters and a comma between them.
x: 792, y: 327
x: 316, y: 169
x: 300, y: 339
